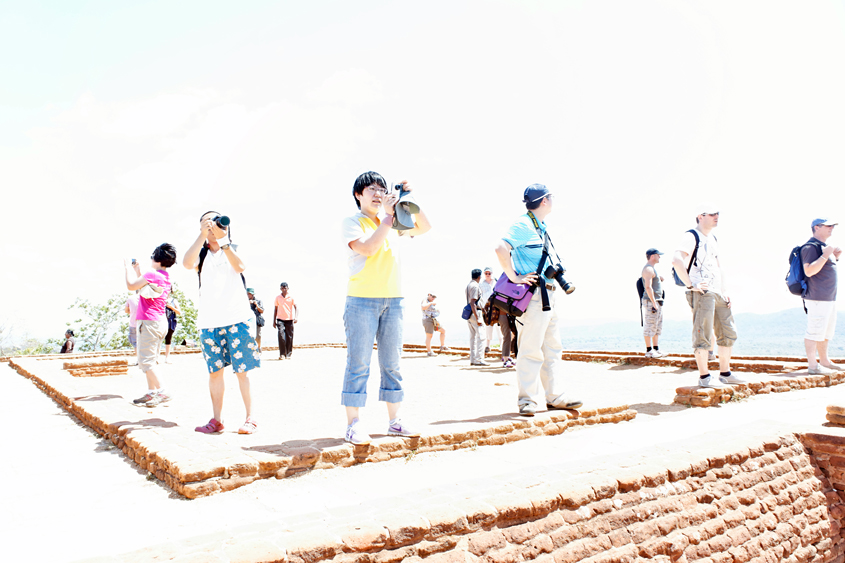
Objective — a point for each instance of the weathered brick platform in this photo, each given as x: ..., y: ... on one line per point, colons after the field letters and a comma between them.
x: 706, y: 397
x: 756, y: 480
x: 747, y: 364
x: 97, y: 367
x: 836, y: 415
x: 197, y: 465
x: 777, y: 499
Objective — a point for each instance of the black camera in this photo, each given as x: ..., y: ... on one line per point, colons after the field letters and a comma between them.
x: 555, y: 271
x: 221, y: 221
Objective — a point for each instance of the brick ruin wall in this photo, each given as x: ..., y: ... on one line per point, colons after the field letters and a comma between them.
x: 96, y: 367
x: 708, y: 397
x: 779, y: 501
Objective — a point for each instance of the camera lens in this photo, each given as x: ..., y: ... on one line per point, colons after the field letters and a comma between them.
x: 222, y: 221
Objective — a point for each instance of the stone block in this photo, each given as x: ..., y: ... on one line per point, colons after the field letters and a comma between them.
x: 482, y: 542
x: 365, y: 537
x: 404, y: 528
x: 445, y: 520
x: 248, y: 551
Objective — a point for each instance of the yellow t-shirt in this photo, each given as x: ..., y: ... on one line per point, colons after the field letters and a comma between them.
x: 378, y: 275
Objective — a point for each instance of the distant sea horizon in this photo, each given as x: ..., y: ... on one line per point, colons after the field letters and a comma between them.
x: 780, y: 333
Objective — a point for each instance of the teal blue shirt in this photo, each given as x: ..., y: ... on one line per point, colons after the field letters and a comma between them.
x: 527, y: 245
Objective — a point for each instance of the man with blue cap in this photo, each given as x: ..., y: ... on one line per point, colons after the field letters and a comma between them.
x: 652, y: 303
x: 819, y: 260
x: 520, y: 253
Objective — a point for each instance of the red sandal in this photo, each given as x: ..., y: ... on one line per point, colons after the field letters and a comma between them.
x: 212, y: 427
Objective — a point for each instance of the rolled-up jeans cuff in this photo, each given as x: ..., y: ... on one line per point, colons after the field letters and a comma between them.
x: 391, y: 395
x: 353, y: 399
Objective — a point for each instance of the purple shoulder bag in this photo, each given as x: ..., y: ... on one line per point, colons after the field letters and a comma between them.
x: 512, y: 298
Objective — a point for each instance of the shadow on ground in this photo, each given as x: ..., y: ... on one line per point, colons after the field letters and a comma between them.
x: 655, y: 409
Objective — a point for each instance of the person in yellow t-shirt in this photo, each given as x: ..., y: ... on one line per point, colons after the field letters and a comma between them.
x: 373, y: 310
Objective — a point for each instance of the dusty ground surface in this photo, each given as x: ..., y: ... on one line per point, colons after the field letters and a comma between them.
x: 62, y: 478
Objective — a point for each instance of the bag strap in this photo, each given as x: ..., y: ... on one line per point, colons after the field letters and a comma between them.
x: 203, y: 254
x: 547, y: 241
x: 694, y: 258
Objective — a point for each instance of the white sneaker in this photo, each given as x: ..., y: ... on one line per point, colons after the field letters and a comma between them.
x: 731, y: 380
x: 710, y: 382
x: 356, y: 436
x: 820, y: 370
x: 657, y: 354
x: 649, y: 354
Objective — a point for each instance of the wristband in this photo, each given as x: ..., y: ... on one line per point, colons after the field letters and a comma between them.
x: 690, y: 286
x: 225, y: 246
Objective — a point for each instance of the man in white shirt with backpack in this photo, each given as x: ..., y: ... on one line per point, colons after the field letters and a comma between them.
x: 696, y: 263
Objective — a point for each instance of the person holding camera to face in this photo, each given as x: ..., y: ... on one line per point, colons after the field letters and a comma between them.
x: 223, y: 318
x: 373, y: 310
x: 522, y: 253
x: 151, y: 321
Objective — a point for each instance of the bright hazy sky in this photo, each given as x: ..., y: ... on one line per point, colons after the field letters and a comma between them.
x: 120, y: 123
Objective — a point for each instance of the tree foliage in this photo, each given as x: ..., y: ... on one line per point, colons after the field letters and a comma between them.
x: 106, y: 326
x: 186, y: 330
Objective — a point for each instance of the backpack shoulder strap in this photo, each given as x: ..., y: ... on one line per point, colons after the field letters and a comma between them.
x: 694, y: 258
x: 203, y: 254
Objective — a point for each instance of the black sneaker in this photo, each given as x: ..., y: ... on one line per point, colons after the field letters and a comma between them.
x: 566, y: 404
x: 527, y: 410
x: 144, y: 400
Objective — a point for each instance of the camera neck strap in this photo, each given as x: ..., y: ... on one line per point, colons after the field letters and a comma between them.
x: 547, y: 242
x: 541, y: 281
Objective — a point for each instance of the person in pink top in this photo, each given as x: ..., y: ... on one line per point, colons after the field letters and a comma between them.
x: 151, y: 322
x: 285, y: 316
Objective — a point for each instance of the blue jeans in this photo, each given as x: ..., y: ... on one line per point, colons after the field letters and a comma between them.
x: 368, y: 319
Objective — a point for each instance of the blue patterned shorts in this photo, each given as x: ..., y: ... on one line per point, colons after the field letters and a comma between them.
x: 230, y: 346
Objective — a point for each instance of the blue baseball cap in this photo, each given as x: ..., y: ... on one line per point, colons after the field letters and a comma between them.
x: 535, y: 192
x: 825, y: 222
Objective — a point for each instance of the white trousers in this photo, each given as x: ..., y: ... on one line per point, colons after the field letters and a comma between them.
x: 476, y: 341
x: 539, y: 350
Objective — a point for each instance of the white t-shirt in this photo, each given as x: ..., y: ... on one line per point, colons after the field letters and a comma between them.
x: 706, y: 267
x: 223, y: 299
x: 486, y: 290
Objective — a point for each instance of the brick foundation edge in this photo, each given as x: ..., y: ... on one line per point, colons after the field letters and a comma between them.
x: 196, y: 480
x: 780, y: 499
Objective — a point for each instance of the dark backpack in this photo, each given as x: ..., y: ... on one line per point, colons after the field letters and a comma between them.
x: 693, y: 259
x: 796, y: 280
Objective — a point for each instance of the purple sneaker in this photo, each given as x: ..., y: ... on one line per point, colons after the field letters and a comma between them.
x: 396, y: 428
